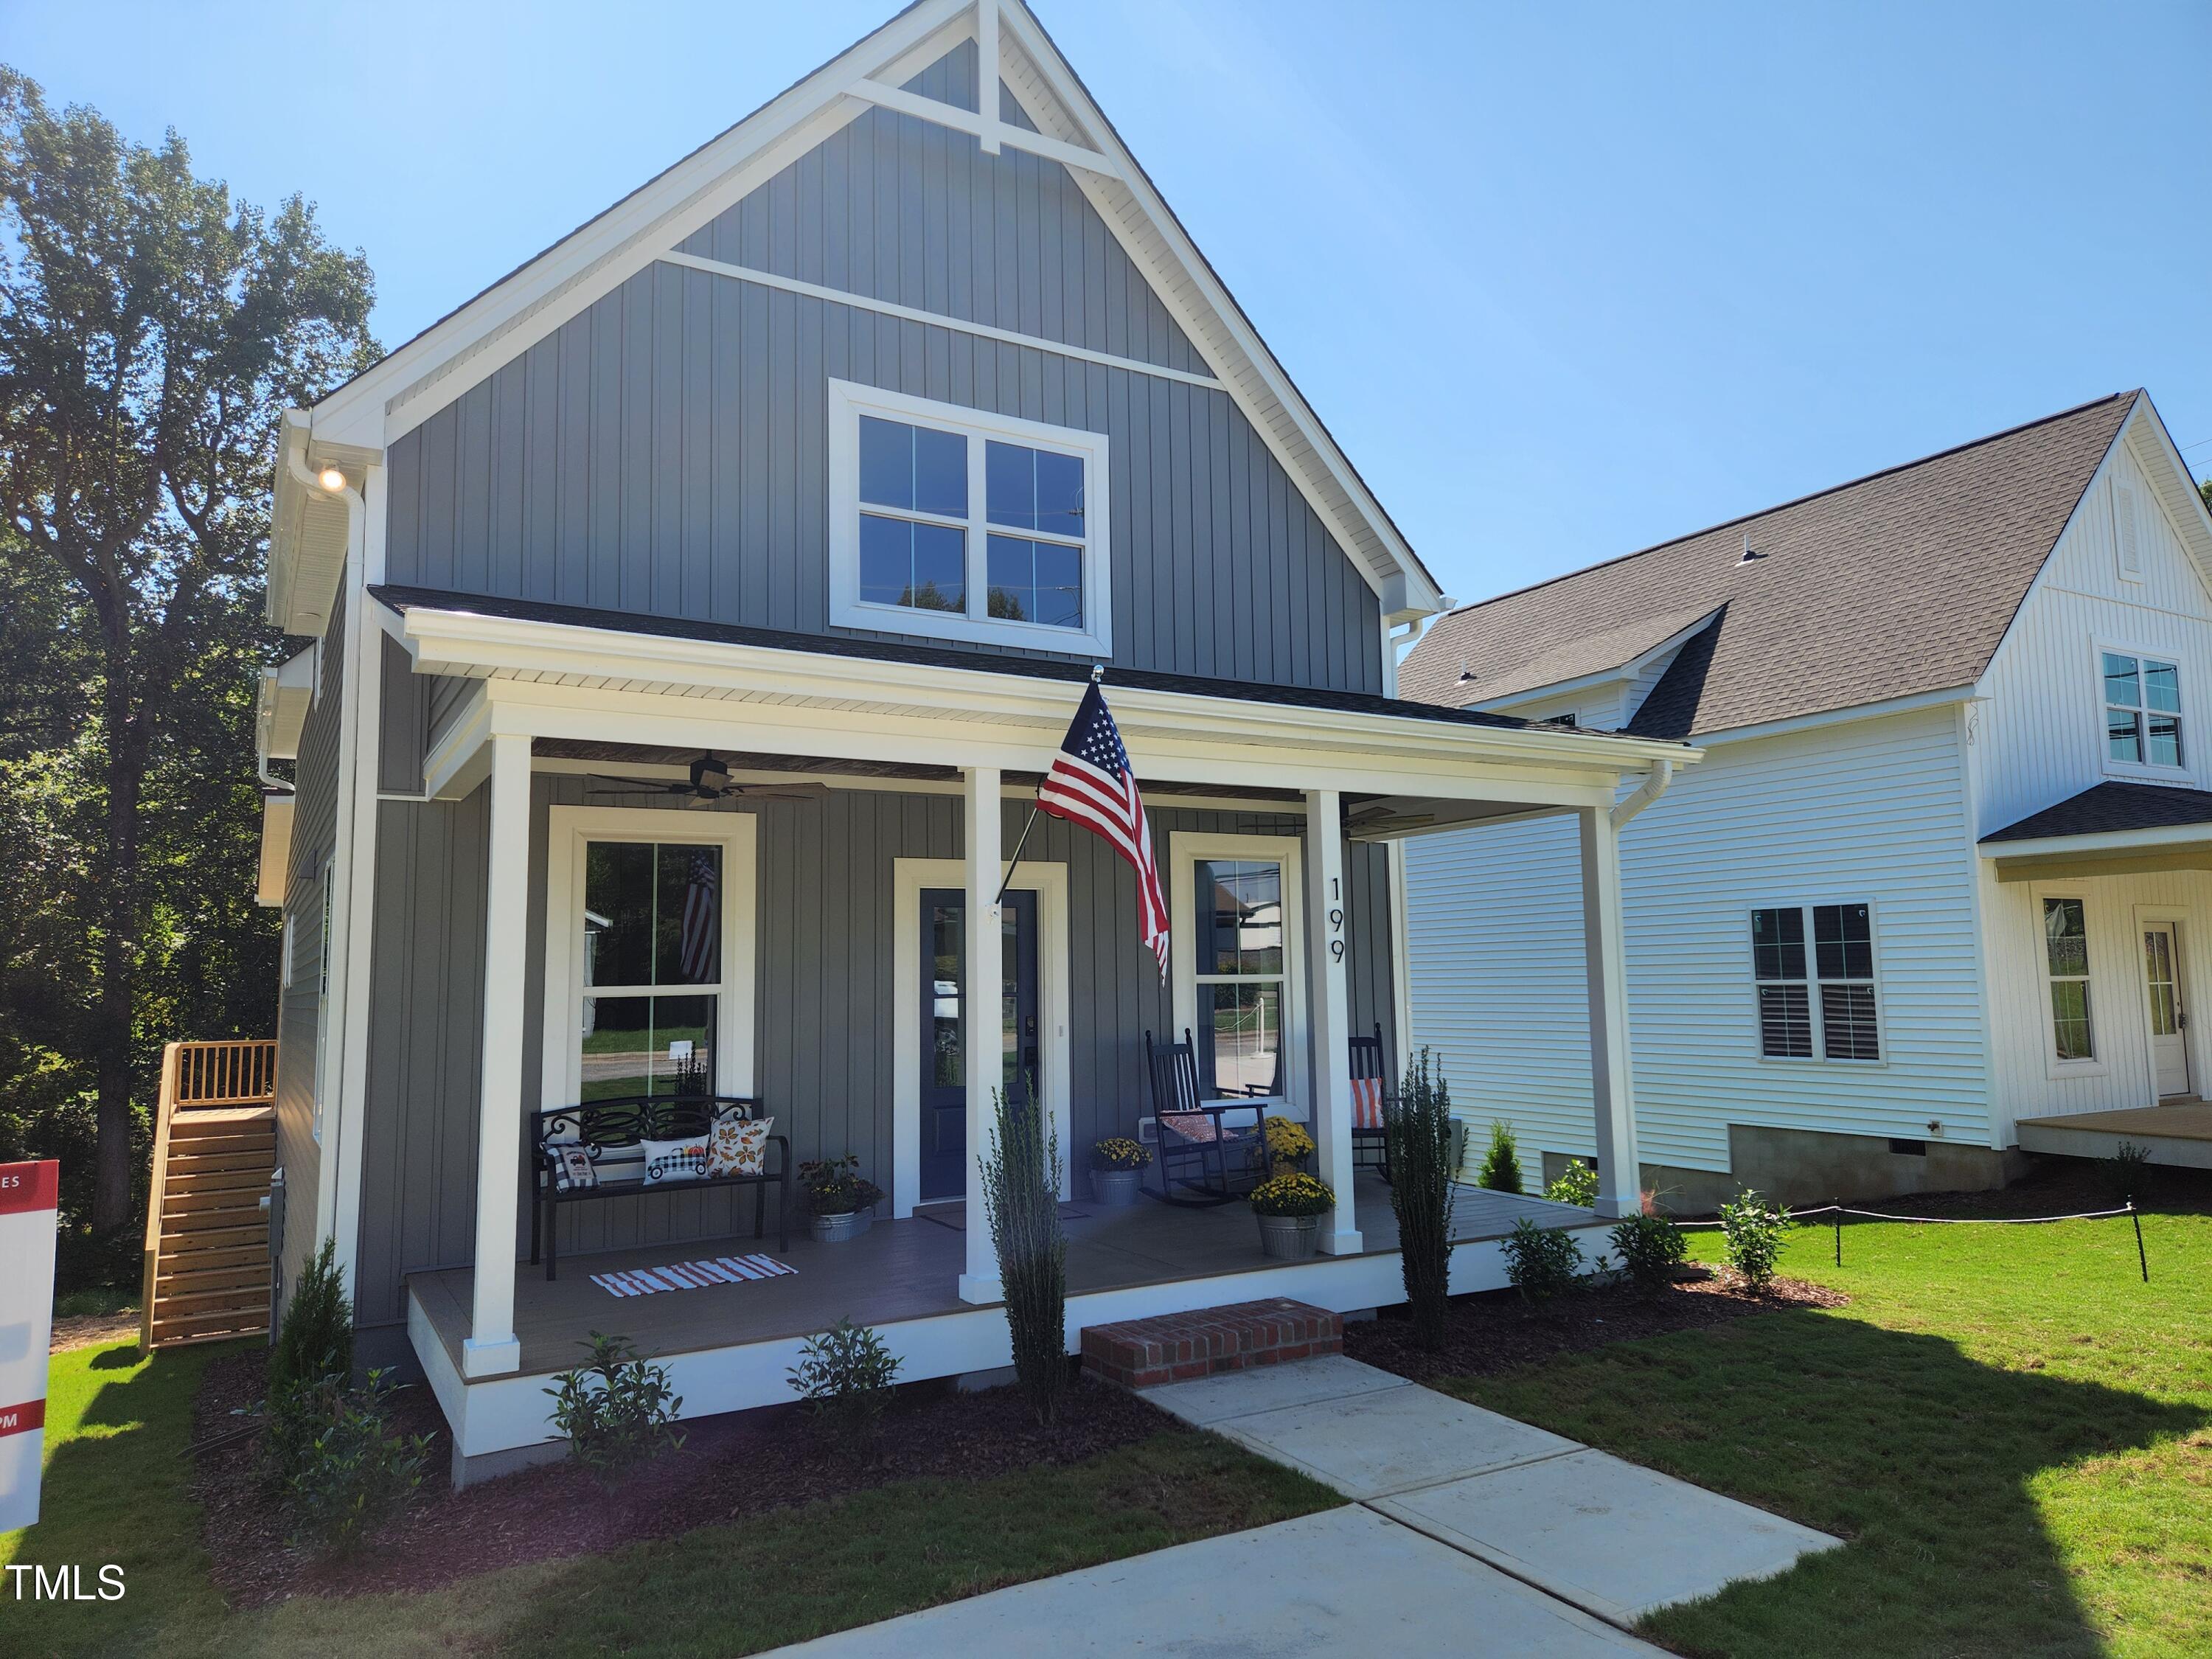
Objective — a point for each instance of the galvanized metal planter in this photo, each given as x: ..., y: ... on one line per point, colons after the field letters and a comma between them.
x: 836, y: 1229
x: 1289, y: 1238
x: 1114, y: 1189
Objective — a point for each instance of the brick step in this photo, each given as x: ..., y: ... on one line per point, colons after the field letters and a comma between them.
x: 1142, y: 1353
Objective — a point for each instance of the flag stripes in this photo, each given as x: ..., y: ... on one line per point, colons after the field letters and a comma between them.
x: 1091, y: 784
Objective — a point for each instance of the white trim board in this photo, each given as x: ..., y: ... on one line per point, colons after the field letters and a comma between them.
x: 910, y: 879
x: 567, y: 829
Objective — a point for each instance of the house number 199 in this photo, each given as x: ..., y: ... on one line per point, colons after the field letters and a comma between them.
x: 1336, y: 917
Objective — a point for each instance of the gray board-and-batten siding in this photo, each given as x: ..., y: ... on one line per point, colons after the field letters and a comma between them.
x: 822, y: 1010
x: 664, y: 452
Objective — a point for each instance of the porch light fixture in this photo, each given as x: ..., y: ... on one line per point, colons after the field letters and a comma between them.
x: 332, y: 479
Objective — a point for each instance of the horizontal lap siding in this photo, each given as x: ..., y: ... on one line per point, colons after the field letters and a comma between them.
x: 823, y: 1008
x: 664, y: 452
x: 1872, y: 811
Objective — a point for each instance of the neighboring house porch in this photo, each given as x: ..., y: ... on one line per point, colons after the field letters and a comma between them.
x: 889, y: 785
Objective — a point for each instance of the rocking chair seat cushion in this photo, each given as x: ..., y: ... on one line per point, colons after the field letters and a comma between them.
x: 1201, y: 1126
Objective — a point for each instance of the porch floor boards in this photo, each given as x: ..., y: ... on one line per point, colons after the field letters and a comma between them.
x: 900, y: 1270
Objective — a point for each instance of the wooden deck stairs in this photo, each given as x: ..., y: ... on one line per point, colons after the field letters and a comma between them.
x: 207, y: 1230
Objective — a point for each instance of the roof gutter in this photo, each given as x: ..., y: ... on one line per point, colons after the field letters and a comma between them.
x: 1654, y: 786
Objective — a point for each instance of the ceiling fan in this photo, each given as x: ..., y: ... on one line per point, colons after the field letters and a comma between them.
x: 710, y: 781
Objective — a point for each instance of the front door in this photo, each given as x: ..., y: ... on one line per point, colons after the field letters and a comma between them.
x: 945, y: 1035
x: 2162, y: 979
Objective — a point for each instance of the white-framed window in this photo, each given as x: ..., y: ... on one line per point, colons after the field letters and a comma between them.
x: 649, y: 968
x: 963, y: 525
x: 1239, y: 962
x: 2142, y: 709
x: 1813, y: 974
x: 2066, y: 966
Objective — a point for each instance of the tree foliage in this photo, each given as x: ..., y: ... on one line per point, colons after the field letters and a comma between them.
x: 152, y: 331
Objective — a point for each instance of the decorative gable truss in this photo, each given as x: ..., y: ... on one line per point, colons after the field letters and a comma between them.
x: 1056, y: 121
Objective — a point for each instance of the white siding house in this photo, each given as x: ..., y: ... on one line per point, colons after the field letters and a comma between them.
x: 1933, y: 645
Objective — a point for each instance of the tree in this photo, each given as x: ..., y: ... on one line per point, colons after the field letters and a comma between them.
x: 152, y: 329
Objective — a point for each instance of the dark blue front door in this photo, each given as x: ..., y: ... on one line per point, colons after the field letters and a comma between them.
x: 945, y: 1028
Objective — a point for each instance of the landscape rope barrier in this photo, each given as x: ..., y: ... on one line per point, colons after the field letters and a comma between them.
x: 1840, y: 1210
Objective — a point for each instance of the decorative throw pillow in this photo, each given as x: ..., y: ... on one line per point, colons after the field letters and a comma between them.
x: 736, y: 1145
x: 673, y: 1160
x: 573, y: 1169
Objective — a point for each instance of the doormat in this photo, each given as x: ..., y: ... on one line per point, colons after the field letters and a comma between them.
x: 691, y: 1275
x: 955, y: 1216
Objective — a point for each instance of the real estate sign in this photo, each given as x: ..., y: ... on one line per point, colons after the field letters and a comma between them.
x: 28, y: 1196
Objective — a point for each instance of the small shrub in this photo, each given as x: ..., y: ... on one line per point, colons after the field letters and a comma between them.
x: 1650, y: 1247
x: 351, y: 1473
x: 1576, y: 1185
x: 615, y: 1411
x: 1120, y: 1152
x: 1752, y: 1236
x: 1419, y: 1135
x: 315, y: 1340
x: 844, y: 1378
x: 1289, y: 1145
x: 2126, y: 1171
x: 1293, y: 1193
x: 1021, y: 1191
x: 835, y: 1186
x: 1541, y: 1262
x: 1501, y: 1164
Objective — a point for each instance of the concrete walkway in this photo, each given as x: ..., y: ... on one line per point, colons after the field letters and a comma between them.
x: 1469, y: 1533
x: 1614, y: 1538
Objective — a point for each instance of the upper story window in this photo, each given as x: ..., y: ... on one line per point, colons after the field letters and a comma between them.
x: 1841, y: 1020
x: 2142, y: 710
x: 963, y: 525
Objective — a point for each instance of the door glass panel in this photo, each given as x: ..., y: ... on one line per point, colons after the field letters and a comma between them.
x: 946, y: 1069
x: 1010, y: 1005
x: 647, y: 1046
x: 2158, y: 961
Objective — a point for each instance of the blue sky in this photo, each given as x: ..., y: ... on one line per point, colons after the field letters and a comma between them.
x: 1564, y: 280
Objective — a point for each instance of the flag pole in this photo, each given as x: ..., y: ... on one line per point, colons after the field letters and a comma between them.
x: 1097, y: 674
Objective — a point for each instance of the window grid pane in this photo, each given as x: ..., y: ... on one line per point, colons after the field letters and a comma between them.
x: 1785, y: 1022
x: 2142, y: 710
x: 1847, y: 1022
x: 1778, y: 943
x: 2066, y: 949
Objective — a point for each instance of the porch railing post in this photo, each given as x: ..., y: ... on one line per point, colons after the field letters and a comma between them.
x: 1612, y: 1087
x: 1328, y: 946
x: 980, y: 999
x: 491, y: 1349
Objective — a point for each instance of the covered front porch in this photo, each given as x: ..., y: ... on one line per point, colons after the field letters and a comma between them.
x: 872, y: 794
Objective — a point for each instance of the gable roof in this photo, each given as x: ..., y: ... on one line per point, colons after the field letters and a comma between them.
x: 1900, y: 583
x: 1063, y: 124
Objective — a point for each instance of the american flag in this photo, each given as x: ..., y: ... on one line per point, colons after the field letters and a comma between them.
x: 1091, y: 784
x: 695, y: 948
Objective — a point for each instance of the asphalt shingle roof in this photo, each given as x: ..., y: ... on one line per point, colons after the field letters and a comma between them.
x: 1897, y: 583
x: 2104, y: 808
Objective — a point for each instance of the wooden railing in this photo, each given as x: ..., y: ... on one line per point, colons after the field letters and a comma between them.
x: 206, y: 1267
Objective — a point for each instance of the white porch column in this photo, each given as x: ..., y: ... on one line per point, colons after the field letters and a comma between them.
x: 1613, y: 1095
x: 980, y: 1009
x: 1330, y: 1001
x: 491, y: 1348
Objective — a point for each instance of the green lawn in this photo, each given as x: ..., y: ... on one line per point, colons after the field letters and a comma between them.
x: 115, y: 1493
x: 2012, y: 1430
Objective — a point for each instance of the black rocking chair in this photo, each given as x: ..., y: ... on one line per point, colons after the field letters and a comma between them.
x: 1213, y: 1161
x: 1370, y: 1091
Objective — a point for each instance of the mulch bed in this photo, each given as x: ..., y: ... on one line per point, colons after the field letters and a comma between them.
x: 1495, y: 1331
x: 731, y: 1467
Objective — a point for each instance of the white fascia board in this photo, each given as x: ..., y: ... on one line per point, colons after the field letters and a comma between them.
x: 2107, y: 841
x: 502, y: 649
x: 661, y: 213
x: 2152, y: 446
x: 1865, y: 711
x: 1194, y: 295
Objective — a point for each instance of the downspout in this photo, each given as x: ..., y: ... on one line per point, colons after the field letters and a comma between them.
x: 1654, y: 786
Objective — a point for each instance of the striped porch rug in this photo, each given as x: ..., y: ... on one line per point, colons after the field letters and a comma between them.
x: 690, y: 1275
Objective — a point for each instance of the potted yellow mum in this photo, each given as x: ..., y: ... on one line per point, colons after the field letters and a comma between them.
x: 1117, y: 1165
x: 1290, y: 1206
